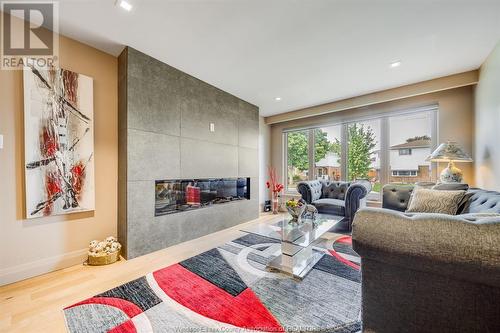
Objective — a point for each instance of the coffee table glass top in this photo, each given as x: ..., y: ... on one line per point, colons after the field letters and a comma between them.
x: 303, y: 234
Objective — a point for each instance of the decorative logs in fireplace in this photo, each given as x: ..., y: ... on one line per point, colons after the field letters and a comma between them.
x: 178, y: 195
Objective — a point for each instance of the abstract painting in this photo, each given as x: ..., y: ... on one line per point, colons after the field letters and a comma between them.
x: 59, y: 142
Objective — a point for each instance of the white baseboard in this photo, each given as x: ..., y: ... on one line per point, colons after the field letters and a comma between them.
x: 42, y: 266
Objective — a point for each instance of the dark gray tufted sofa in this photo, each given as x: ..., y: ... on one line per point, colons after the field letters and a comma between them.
x: 337, y: 198
x: 425, y: 272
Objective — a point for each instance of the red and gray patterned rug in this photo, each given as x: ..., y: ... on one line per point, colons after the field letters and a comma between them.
x: 228, y: 289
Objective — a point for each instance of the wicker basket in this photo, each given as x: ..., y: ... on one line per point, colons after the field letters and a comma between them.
x: 106, y: 259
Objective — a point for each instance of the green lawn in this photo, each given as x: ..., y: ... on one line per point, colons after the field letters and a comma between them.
x: 377, y: 187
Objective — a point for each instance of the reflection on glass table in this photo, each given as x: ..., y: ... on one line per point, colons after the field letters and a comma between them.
x: 298, y: 256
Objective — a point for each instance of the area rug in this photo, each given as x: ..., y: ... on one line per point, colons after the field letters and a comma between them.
x: 228, y: 289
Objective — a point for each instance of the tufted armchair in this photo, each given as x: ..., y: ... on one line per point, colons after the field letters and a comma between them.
x: 336, y: 198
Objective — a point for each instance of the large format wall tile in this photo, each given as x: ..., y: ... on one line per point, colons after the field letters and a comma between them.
x: 200, y: 106
x: 202, y: 159
x: 153, y: 106
x: 248, y: 125
x: 249, y: 210
x: 164, y: 134
x: 145, y: 235
x: 142, y: 66
x: 148, y: 234
x: 140, y: 199
x: 196, y: 223
x: 152, y: 156
x: 247, y: 166
x: 254, y: 188
x: 153, y: 94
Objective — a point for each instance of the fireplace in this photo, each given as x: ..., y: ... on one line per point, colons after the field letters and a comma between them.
x: 178, y: 195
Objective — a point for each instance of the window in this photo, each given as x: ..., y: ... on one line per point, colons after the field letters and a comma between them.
x: 297, y: 157
x: 410, y: 142
x: 405, y: 151
x: 389, y: 148
x: 404, y: 173
x: 327, y: 153
x: 363, y: 154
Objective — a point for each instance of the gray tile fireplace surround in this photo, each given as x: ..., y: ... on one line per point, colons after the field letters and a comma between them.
x: 164, y: 120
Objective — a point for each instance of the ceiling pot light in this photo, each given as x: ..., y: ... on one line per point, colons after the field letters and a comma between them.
x: 395, y: 64
x: 124, y: 4
x: 277, y: 99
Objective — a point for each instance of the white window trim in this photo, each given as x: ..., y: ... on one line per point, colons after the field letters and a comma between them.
x: 405, y: 149
x: 398, y: 175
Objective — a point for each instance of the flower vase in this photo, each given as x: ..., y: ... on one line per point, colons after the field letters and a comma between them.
x: 276, y: 205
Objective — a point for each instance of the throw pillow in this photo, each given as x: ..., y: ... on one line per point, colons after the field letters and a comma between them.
x: 420, y: 185
x: 463, y: 207
x: 435, y: 201
x: 464, y: 204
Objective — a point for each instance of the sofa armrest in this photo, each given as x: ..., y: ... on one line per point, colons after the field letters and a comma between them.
x: 310, y: 190
x: 354, y: 196
x: 441, y: 244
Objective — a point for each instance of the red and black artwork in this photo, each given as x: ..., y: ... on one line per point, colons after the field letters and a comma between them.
x: 59, y: 142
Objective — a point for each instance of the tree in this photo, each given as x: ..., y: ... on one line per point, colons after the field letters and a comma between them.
x: 297, y: 150
x: 321, y: 145
x: 360, y: 145
x: 298, y: 159
x: 360, y: 148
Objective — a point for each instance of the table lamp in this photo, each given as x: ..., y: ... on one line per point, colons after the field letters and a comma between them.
x: 450, y: 152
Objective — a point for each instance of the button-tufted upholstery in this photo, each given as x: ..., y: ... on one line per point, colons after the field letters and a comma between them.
x: 396, y: 197
x: 310, y: 191
x: 337, y: 198
x: 483, y: 201
x: 335, y: 190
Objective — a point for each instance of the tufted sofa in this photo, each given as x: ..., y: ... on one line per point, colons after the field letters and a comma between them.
x: 396, y: 197
x: 425, y: 272
x: 336, y: 198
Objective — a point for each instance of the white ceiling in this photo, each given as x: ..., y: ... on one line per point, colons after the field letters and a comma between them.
x: 307, y: 52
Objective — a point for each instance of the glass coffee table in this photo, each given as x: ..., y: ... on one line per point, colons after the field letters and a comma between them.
x: 298, y: 255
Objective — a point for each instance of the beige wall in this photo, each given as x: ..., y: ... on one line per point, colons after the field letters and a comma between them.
x: 31, y: 247
x: 455, y: 122
x: 264, y: 160
x: 487, y: 145
x: 416, y: 89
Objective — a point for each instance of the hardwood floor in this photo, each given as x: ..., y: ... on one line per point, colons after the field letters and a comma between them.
x: 35, y: 304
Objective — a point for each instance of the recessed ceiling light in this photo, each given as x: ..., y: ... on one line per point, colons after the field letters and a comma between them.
x: 125, y: 5
x: 277, y: 99
x: 395, y: 64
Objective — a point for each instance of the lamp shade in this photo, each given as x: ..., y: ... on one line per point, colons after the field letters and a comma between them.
x: 449, y: 151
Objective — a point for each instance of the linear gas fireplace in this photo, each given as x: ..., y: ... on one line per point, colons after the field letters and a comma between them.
x: 178, y: 195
